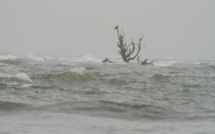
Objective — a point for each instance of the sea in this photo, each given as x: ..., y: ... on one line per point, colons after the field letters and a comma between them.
x: 82, y: 95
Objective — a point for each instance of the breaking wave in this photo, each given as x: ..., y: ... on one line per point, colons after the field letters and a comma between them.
x: 20, y: 59
x: 8, y: 57
x: 86, y: 58
x: 79, y: 70
x: 165, y: 63
x: 19, y: 78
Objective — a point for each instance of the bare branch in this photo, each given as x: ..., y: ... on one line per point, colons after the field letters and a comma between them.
x: 139, y: 48
x: 127, y: 50
x: 132, y: 51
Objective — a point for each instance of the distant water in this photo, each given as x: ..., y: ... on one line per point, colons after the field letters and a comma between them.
x: 82, y: 95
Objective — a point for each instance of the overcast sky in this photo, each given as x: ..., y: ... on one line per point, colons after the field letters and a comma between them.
x: 182, y: 29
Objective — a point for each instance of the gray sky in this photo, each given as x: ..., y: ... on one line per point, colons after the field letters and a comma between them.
x: 183, y: 29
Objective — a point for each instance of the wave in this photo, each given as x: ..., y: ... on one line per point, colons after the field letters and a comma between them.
x: 117, y: 81
x: 19, y: 78
x: 81, y: 75
x: 182, y: 63
x: 8, y: 106
x: 74, y: 75
x: 8, y: 57
x: 87, y: 58
x: 114, y: 109
x: 126, y: 106
x: 79, y: 70
x: 164, y: 63
x: 16, y: 59
x: 96, y: 59
x: 19, y: 59
x: 93, y: 91
x: 161, y: 78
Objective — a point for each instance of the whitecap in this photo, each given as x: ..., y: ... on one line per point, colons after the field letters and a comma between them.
x: 7, y: 57
x: 165, y: 63
x: 15, y: 79
x: 24, y: 77
x: 79, y: 70
x: 35, y: 58
x: 87, y: 58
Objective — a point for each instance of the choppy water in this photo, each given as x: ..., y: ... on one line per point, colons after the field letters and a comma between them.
x: 67, y: 95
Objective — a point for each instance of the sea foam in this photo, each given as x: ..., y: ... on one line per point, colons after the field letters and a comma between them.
x: 7, y: 57
x: 87, y: 58
x: 79, y: 70
x: 15, y: 79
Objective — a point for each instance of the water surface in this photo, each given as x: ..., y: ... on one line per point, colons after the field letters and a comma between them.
x: 64, y: 95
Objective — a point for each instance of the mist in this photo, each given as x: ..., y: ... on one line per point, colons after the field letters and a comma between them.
x: 172, y: 29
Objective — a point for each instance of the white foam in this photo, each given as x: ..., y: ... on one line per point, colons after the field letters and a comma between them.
x: 7, y: 57
x: 164, y: 63
x: 79, y: 70
x: 23, y: 76
x: 87, y: 58
x: 19, y: 76
x: 35, y: 58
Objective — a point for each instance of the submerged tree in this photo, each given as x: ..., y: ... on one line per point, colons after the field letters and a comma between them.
x: 127, y: 51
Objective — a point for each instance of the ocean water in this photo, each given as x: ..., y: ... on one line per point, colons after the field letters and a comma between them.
x: 82, y: 95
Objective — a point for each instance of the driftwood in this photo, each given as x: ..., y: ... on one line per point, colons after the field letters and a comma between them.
x: 144, y: 62
x: 107, y: 60
x: 127, y: 52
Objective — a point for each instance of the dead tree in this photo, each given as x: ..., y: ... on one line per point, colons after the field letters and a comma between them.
x: 127, y: 52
